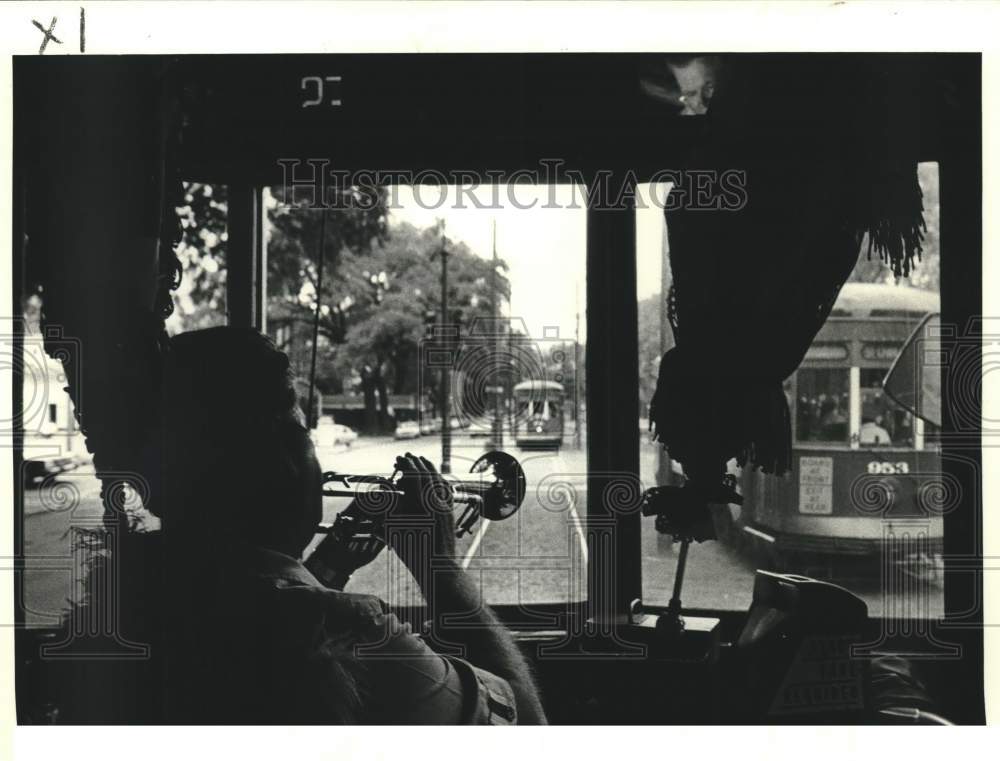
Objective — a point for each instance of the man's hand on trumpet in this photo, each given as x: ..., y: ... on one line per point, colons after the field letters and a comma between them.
x: 419, y: 525
x: 425, y: 508
x: 450, y: 591
x: 355, y: 540
x: 429, y: 498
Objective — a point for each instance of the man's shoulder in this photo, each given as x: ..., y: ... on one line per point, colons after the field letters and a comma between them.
x: 353, y: 644
x: 280, y: 588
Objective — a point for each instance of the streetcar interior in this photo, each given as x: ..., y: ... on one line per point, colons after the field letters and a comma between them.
x: 545, y: 571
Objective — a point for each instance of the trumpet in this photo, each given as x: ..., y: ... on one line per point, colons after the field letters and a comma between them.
x: 495, y: 493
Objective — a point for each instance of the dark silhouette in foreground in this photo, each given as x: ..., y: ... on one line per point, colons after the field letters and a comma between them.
x: 239, y: 631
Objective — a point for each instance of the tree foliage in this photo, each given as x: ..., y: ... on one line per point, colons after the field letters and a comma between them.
x: 397, y: 299
x: 200, y: 301
x: 381, y: 287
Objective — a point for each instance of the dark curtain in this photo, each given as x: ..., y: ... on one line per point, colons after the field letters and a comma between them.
x: 828, y: 151
x: 101, y: 231
x: 95, y: 135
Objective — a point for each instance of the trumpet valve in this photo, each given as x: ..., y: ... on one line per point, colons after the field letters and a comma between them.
x: 467, y: 520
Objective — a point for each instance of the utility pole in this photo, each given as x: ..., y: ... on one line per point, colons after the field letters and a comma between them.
x: 577, y: 428
x: 497, y: 366
x: 446, y: 370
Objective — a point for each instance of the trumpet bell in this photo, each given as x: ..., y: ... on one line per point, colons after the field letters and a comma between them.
x: 502, y: 497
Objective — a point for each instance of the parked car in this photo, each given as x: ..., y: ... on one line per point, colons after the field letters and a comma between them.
x: 343, y: 435
x: 481, y: 427
x: 329, y: 434
x: 432, y: 425
x: 37, y: 468
x: 408, y: 429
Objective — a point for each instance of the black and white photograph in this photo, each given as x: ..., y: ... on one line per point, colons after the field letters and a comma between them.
x: 385, y: 382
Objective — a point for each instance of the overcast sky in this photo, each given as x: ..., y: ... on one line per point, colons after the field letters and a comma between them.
x: 544, y: 246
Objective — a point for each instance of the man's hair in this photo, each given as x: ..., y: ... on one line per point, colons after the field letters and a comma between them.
x: 237, y: 436
x: 233, y: 376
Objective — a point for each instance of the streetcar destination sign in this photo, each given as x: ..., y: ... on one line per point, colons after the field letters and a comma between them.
x: 827, y: 351
x: 880, y: 351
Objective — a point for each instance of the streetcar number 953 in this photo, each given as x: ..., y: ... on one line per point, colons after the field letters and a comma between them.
x: 876, y: 467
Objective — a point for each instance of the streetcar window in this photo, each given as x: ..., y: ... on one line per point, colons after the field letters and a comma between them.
x: 883, y: 422
x: 822, y: 408
x: 386, y: 353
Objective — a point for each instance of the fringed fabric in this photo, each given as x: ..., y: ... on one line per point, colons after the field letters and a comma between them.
x: 826, y: 169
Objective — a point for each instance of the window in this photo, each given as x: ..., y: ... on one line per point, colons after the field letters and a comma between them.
x: 717, y: 575
x: 822, y: 405
x: 808, y: 522
x: 57, y: 478
x: 386, y: 354
x: 200, y: 300
x: 883, y: 423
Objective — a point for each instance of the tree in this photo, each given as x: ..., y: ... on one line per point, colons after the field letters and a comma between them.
x: 400, y: 283
x: 293, y: 250
x: 378, y: 286
x: 200, y: 301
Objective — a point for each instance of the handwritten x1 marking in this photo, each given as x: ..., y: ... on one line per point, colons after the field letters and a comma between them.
x: 48, y: 34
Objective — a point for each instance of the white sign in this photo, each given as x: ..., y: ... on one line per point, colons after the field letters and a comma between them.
x: 816, y: 485
x: 823, y: 678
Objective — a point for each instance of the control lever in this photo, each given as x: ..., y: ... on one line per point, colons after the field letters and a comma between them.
x: 682, y: 512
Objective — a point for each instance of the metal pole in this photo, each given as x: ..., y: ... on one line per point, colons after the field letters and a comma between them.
x: 446, y: 372
x: 311, y: 421
x: 497, y: 366
x: 245, y: 280
x: 675, y: 601
x: 577, y: 428
x: 612, y: 440
x: 664, y: 465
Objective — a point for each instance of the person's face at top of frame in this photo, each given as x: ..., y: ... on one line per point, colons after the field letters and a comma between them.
x: 696, y: 82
